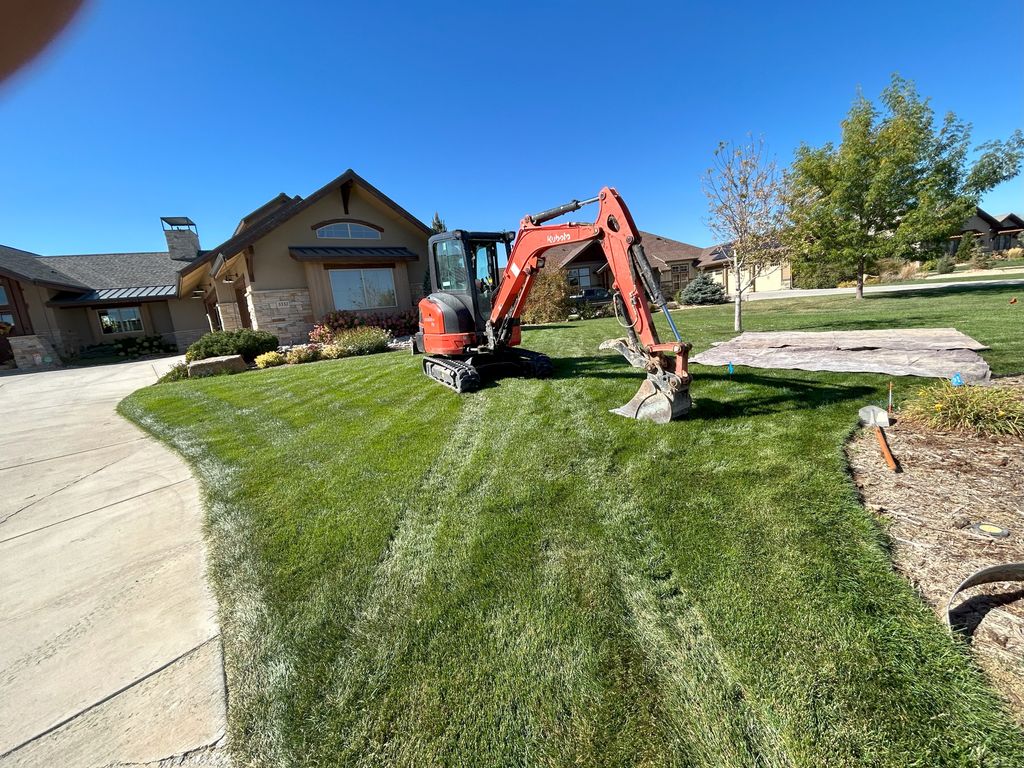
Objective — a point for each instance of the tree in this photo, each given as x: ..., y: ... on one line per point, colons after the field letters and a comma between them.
x: 702, y: 290
x: 744, y: 194
x: 897, y: 185
x: 967, y: 248
x: 437, y: 226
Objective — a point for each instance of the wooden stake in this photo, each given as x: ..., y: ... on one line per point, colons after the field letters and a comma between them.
x: 886, y: 452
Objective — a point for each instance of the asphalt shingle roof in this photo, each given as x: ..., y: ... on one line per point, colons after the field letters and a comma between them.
x: 118, y: 270
x: 35, y: 269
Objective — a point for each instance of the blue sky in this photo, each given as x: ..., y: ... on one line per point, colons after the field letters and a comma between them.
x: 208, y: 109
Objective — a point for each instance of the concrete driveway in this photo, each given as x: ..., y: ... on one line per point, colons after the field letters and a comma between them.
x: 109, y: 645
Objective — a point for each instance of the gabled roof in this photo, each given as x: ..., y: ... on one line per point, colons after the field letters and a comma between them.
x: 987, y: 218
x: 1010, y: 221
x: 716, y: 256
x: 32, y: 268
x: 282, y: 213
x: 118, y: 270
x: 264, y: 210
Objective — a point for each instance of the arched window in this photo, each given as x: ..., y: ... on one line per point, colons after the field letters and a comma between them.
x: 348, y: 230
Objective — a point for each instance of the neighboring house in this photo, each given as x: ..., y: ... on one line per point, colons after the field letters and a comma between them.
x: 716, y: 261
x: 991, y: 233
x: 288, y: 263
x: 61, y: 304
x: 585, y: 265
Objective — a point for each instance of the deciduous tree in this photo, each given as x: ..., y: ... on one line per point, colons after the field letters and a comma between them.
x: 898, y: 184
x: 744, y: 194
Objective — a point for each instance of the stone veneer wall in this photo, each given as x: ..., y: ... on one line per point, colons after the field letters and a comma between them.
x: 33, y: 353
x: 288, y: 314
x: 230, y: 317
x: 182, y: 339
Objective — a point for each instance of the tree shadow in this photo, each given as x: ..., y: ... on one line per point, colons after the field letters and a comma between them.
x: 967, y: 617
x: 773, y: 393
x: 979, y: 287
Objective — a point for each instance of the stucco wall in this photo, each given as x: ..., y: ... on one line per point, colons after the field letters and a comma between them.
x: 275, y: 269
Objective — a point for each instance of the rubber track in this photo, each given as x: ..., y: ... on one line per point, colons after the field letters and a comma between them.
x: 462, y: 377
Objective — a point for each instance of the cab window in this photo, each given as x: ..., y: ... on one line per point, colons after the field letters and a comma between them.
x: 450, y: 266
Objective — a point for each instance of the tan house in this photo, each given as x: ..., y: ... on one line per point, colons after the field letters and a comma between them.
x: 716, y: 262
x: 290, y: 262
x: 293, y: 260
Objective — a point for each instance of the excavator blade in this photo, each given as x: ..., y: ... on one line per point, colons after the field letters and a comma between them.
x: 662, y: 398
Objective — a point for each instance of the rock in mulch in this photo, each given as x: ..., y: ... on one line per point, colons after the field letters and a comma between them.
x: 948, y: 483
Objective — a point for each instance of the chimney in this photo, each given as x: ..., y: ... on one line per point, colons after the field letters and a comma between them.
x: 182, y: 237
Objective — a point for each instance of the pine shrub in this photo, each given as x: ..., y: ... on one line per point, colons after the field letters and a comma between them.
x: 702, y: 290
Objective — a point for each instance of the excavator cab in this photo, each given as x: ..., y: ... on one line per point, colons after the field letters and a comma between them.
x: 467, y: 266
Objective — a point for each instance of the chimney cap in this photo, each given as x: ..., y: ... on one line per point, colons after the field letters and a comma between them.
x: 177, y: 222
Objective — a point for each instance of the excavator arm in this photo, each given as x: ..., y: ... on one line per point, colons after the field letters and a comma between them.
x: 665, y: 394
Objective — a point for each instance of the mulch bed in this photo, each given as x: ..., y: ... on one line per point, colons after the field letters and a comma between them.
x: 947, y: 483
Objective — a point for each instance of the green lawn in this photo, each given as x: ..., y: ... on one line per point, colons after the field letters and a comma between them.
x: 517, y: 577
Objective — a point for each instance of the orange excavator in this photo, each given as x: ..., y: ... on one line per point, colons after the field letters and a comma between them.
x: 470, y: 322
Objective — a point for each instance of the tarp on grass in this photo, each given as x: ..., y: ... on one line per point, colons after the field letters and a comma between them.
x: 931, y: 352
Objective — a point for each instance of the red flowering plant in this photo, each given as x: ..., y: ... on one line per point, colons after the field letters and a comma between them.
x: 398, y: 323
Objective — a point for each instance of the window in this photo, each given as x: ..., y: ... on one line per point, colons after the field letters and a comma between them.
x: 363, y: 288
x: 580, y: 276
x: 4, y: 301
x: 347, y: 230
x: 7, y: 317
x: 121, y: 320
x: 450, y: 262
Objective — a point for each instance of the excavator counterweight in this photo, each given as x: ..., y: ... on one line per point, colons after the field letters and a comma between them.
x: 470, y: 322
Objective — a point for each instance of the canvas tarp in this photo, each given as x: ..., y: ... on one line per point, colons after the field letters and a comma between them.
x: 932, y: 352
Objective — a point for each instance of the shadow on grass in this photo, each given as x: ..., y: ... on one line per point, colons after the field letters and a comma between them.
x: 950, y: 290
x: 772, y: 394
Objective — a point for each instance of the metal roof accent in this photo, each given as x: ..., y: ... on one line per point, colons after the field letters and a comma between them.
x: 177, y: 221
x: 115, y: 296
x: 356, y: 253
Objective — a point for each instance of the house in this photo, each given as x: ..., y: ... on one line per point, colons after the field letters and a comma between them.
x: 585, y: 265
x: 716, y: 262
x: 992, y: 234
x: 288, y: 263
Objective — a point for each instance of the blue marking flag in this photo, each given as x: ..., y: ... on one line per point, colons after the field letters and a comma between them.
x: 957, y: 380
x: 732, y: 370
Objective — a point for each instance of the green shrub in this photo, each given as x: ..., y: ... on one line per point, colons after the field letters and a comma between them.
x: 549, y: 298
x: 944, y: 266
x: 244, y: 341
x: 989, y: 410
x: 270, y: 359
x: 702, y: 290
x: 307, y: 353
x: 928, y: 266
x: 332, y: 352
x: 362, y: 341
x: 981, y: 260
x: 966, y: 249
x: 178, y: 372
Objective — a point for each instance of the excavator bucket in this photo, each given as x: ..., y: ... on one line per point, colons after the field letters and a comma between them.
x: 662, y: 397
x: 654, y: 402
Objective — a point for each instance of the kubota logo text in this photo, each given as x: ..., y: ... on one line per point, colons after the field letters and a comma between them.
x: 559, y: 238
